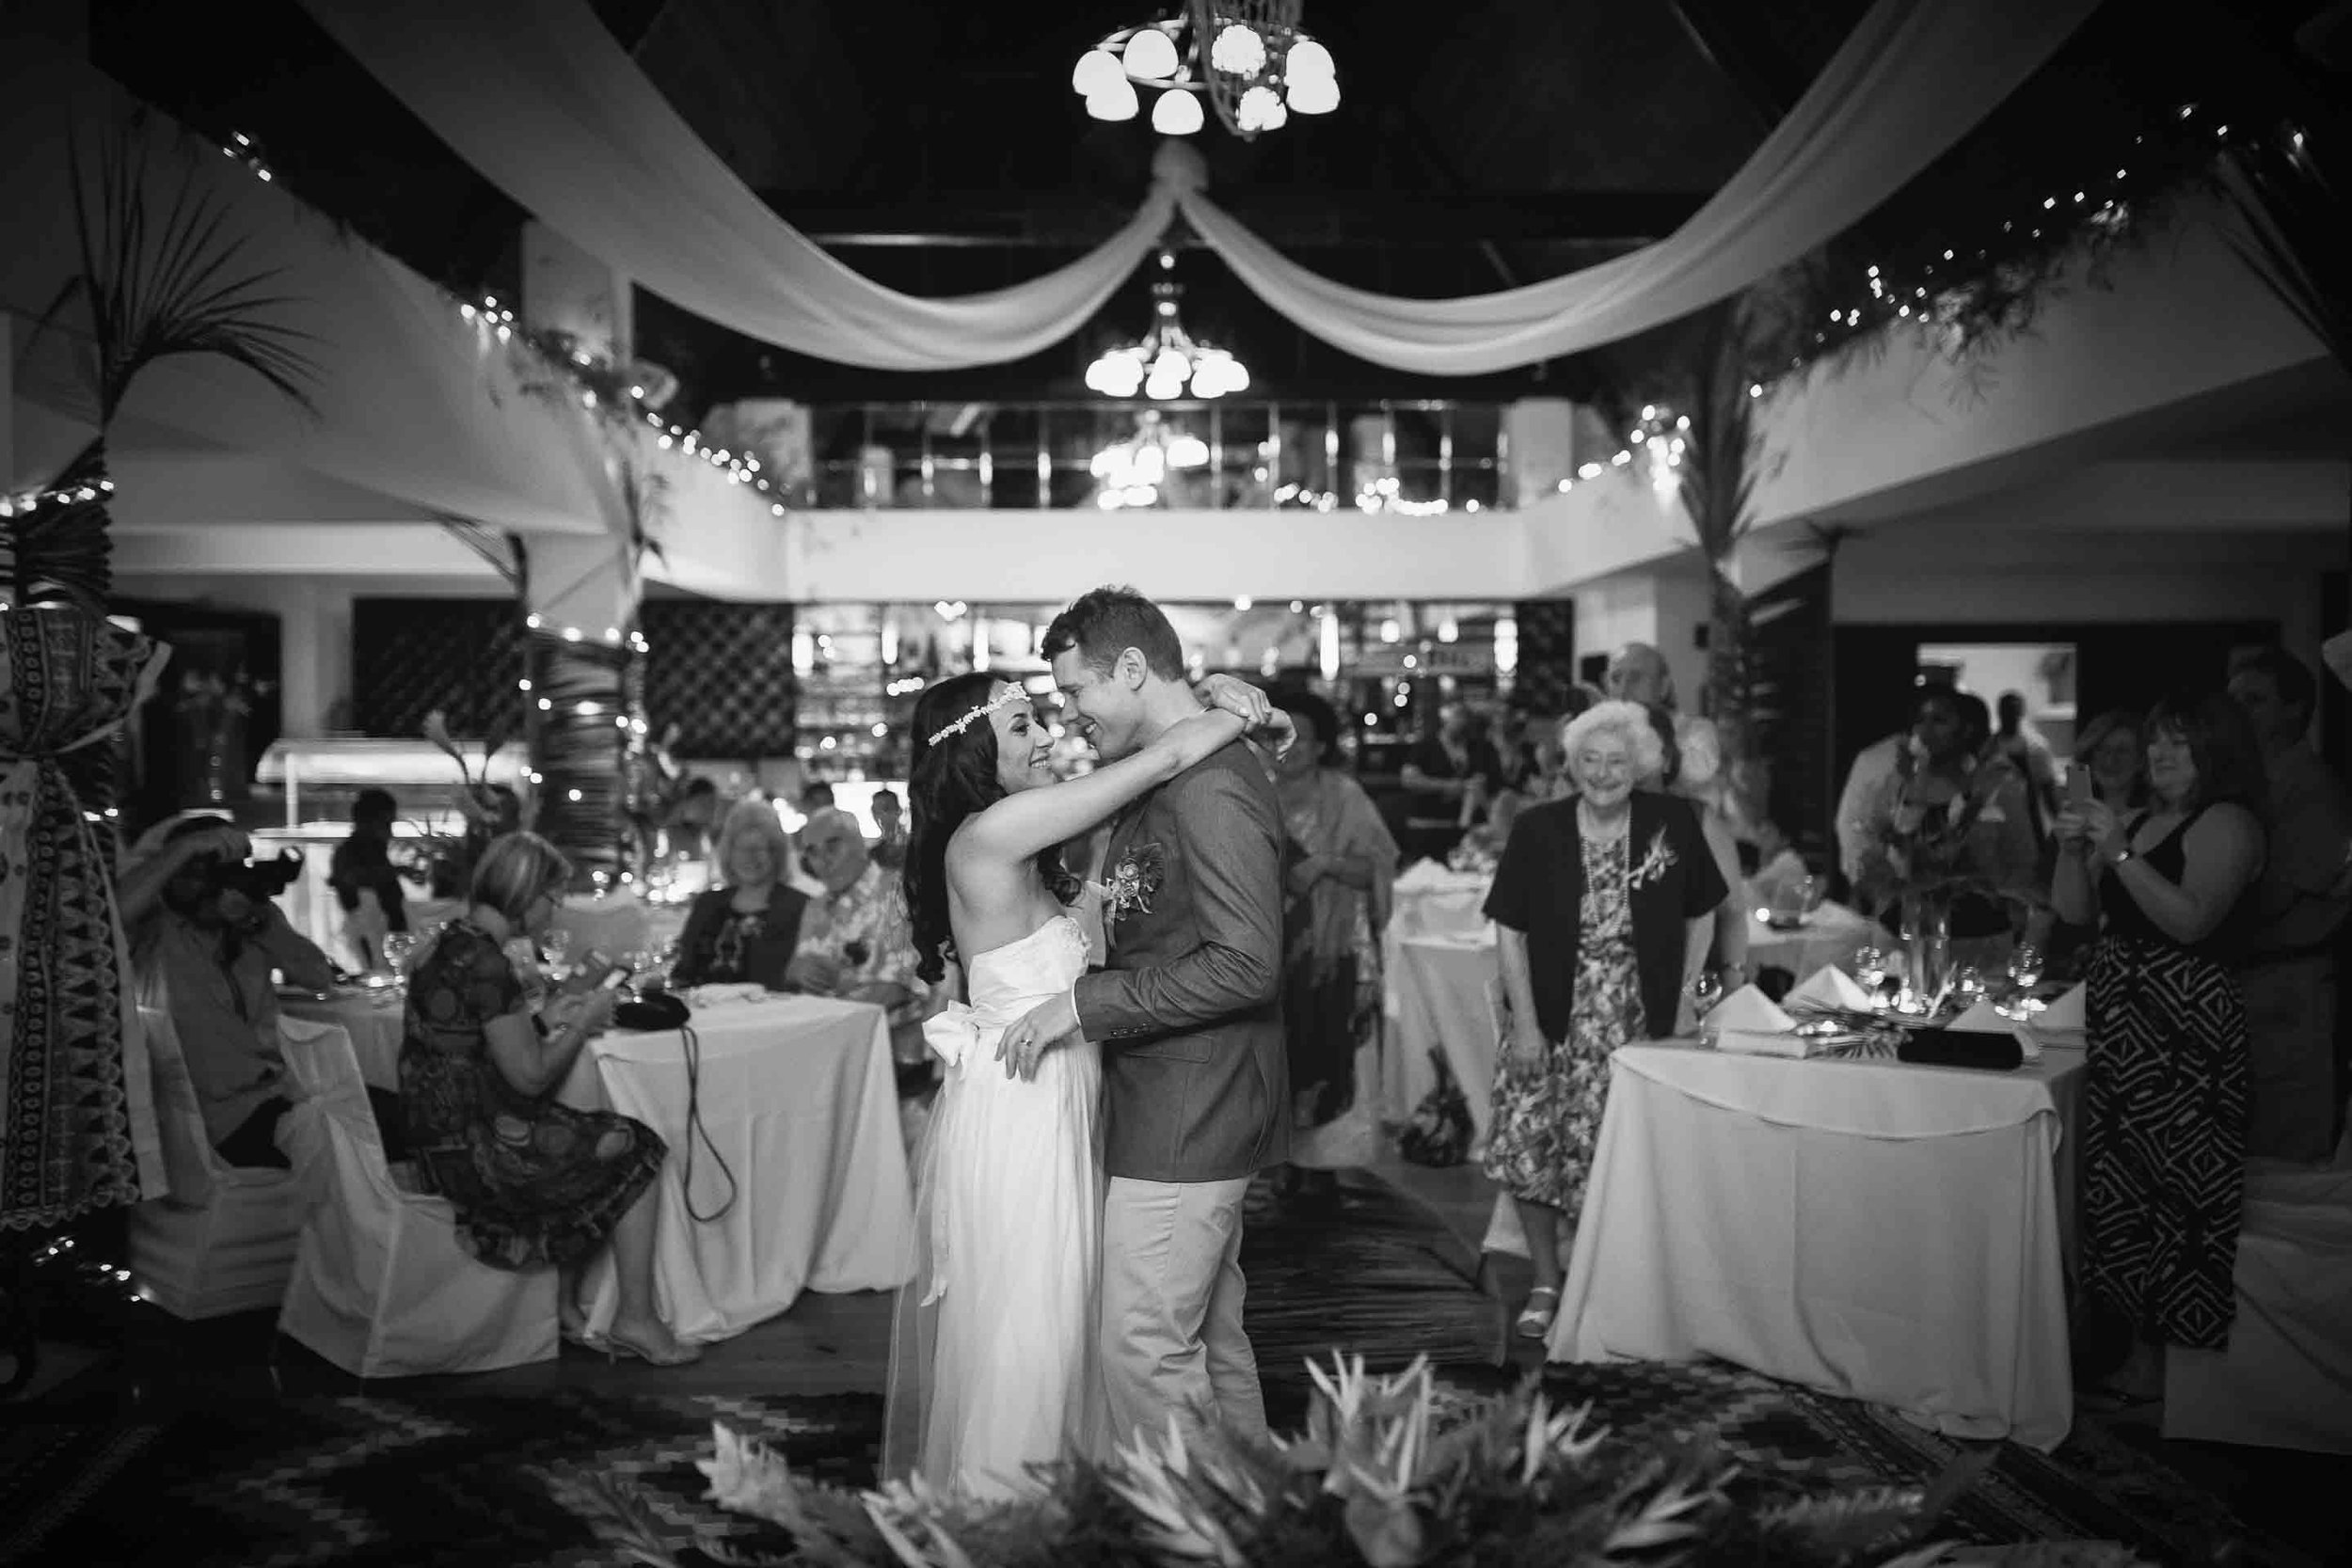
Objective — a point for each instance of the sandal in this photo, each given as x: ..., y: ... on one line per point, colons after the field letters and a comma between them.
x: 1535, y: 1319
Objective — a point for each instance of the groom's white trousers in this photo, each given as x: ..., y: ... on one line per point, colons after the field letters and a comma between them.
x: 1172, y: 1340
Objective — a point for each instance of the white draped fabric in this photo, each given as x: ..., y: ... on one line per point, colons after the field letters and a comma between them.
x: 538, y: 96
x: 1914, y: 77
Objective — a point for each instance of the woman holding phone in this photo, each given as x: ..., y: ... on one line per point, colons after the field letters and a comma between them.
x: 535, y: 1183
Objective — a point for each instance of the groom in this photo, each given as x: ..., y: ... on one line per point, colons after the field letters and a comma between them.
x: 1189, y: 1019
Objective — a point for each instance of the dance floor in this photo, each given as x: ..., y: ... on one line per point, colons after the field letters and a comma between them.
x: 215, y: 1445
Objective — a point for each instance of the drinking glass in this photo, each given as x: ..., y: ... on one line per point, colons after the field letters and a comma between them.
x: 1706, y: 992
x: 400, y: 949
x: 1968, y: 983
x: 555, y: 944
x: 2024, y: 972
x: 1869, y: 966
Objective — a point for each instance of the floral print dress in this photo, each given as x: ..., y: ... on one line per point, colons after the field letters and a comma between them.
x: 1547, y: 1114
x: 535, y: 1182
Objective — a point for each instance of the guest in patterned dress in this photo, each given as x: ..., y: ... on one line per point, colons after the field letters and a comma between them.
x: 747, y: 930
x: 535, y: 1183
x: 1602, y: 901
x: 2163, y: 1104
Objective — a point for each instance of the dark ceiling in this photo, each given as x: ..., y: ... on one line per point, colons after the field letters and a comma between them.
x: 1480, y: 143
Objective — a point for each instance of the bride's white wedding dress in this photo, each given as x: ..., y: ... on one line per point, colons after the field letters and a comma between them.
x: 993, y: 1349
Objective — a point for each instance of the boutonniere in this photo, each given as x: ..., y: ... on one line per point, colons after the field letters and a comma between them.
x: 1135, y: 881
x: 1657, y: 860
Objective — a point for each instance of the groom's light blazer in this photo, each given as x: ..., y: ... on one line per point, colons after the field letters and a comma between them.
x: 1189, y: 1015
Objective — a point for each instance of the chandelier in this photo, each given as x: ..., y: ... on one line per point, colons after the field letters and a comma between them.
x: 1136, y: 472
x: 1259, y: 69
x: 1170, y: 362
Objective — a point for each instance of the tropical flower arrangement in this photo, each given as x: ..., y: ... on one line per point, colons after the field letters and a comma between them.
x: 1392, y: 1472
x: 1923, y: 850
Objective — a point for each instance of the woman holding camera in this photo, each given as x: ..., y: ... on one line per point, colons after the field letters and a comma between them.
x: 535, y: 1182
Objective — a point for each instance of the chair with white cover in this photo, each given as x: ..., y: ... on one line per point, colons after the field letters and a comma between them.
x: 222, y: 1240
x: 382, y: 1287
x: 2285, y: 1380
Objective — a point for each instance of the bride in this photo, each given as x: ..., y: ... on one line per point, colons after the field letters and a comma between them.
x: 994, y: 1348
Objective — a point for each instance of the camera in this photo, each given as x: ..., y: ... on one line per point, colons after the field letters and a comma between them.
x: 259, y: 880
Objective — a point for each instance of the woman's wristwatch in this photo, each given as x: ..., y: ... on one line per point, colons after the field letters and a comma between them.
x: 2127, y: 852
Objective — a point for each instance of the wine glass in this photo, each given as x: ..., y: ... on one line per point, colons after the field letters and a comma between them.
x: 2024, y: 972
x: 1706, y: 992
x: 399, y: 949
x: 1869, y: 966
x: 554, y: 946
x: 1968, y: 985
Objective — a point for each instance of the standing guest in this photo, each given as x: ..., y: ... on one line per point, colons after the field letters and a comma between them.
x: 1638, y: 673
x: 890, y: 829
x: 1867, y: 779
x: 692, y: 820
x: 1600, y: 899
x: 1449, y: 779
x: 204, y: 936
x: 2164, y: 1106
x: 367, y: 885
x: 856, y: 945
x: 2289, y: 966
x: 1952, y: 779
x: 745, y: 930
x: 1339, y: 866
x: 535, y: 1183
x: 2110, y: 747
x: 2021, y: 744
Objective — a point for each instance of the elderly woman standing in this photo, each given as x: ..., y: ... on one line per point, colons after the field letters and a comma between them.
x: 1339, y: 867
x: 746, y: 929
x: 1599, y: 900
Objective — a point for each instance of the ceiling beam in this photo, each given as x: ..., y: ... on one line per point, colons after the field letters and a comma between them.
x: 1302, y: 220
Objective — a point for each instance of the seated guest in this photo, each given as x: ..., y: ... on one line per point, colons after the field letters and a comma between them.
x: 857, y: 945
x: 535, y: 1183
x: 1595, y: 902
x: 362, y: 864
x: 745, y: 930
x: 890, y: 827
x: 1780, y: 871
x: 2288, y: 968
x: 2164, y: 1099
x: 204, y: 938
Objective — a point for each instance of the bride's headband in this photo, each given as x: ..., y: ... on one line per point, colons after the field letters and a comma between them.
x: 1003, y: 699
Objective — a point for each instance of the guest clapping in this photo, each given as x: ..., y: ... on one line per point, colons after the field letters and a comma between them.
x: 747, y: 930
x: 1599, y: 900
x: 535, y: 1183
x: 2164, y: 1108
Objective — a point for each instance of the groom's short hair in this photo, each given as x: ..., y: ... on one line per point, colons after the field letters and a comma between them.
x: 1105, y: 623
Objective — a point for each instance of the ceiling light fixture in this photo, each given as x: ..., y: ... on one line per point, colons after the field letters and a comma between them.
x: 1260, y: 68
x: 1170, y: 362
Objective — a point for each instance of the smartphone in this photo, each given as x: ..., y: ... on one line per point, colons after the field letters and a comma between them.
x: 2078, y: 784
x: 614, y: 980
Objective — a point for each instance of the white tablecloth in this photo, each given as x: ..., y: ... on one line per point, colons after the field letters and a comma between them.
x: 1829, y: 936
x: 1441, y: 984
x: 1872, y: 1229
x: 374, y: 1021
x: 799, y: 1098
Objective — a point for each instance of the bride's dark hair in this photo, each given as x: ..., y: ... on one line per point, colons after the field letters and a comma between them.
x: 947, y: 784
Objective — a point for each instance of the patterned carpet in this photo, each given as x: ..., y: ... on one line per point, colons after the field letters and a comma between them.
x: 453, y: 1479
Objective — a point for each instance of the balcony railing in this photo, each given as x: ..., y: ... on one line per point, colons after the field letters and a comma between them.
x: 1410, y: 457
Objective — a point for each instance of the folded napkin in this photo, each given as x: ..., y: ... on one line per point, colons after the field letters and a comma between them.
x: 1749, y: 1022
x: 1832, y: 987
x: 1985, y: 1019
x: 2065, y: 1015
x: 715, y: 996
